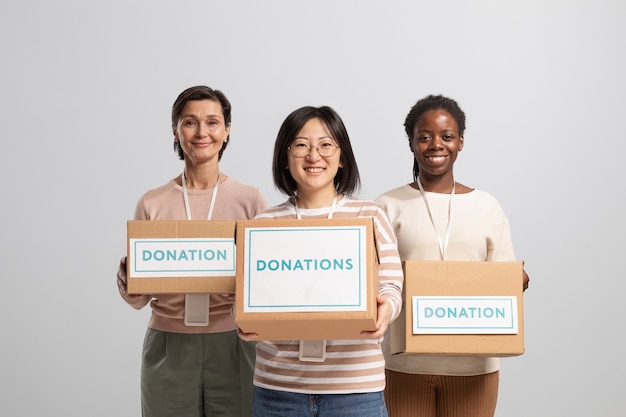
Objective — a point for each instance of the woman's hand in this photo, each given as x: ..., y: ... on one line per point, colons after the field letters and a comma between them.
x: 248, y: 337
x: 525, y: 279
x: 382, y: 321
x: 122, y: 283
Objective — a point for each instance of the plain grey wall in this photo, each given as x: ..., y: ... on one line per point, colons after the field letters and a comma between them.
x: 86, y: 92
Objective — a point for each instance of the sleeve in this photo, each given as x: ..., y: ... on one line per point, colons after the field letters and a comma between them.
x: 501, y: 248
x: 140, y: 210
x: 500, y: 245
x: 390, y: 274
x: 135, y: 301
x: 261, y: 204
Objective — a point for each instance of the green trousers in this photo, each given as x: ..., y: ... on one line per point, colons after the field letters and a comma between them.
x: 194, y: 375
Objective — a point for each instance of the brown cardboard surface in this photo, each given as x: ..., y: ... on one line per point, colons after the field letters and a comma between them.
x: 181, y: 229
x: 307, y: 325
x: 458, y: 278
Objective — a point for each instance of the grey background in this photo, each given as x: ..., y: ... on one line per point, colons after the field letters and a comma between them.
x: 86, y: 92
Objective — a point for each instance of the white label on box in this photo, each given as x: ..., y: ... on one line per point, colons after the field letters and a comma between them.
x: 465, y: 315
x: 312, y: 269
x: 175, y: 257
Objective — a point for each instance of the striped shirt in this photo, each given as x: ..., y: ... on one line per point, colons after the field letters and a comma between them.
x: 351, y: 366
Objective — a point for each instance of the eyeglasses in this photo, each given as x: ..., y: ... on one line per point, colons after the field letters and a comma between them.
x: 326, y: 148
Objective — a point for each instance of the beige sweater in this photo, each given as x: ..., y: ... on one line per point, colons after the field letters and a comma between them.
x: 479, y: 231
x: 233, y: 201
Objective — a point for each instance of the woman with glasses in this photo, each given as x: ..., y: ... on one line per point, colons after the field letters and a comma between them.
x: 191, y: 368
x: 315, y: 167
x: 437, y: 218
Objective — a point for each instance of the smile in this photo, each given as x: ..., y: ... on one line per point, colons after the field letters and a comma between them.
x: 437, y: 159
x: 314, y: 169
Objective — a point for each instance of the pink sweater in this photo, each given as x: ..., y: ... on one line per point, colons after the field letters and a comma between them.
x: 234, y: 201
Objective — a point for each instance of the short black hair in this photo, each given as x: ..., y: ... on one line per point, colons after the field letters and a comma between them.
x: 432, y: 102
x: 347, y: 180
x: 200, y: 92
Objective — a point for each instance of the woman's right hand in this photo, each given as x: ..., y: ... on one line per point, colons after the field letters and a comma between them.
x: 248, y: 337
x: 122, y: 283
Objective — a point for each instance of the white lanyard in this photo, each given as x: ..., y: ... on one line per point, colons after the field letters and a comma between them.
x: 317, y: 347
x: 197, y: 305
x: 213, y: 195
x: 330, y: 212
x: 443, y: 245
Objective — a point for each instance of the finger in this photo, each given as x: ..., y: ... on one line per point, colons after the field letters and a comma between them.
x: 373, y: 335
x: 122, y: 286
x: 248, y: 337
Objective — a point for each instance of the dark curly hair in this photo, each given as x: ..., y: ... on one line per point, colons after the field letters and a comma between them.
x: 347, y: 180
x: 200, y: 92
x: 432, y: 102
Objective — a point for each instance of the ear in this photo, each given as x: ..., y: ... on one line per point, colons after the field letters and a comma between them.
x: 176, y: 138
x: 461, y: 142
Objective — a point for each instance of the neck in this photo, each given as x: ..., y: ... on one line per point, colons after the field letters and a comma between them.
x: 201, y: 178
x: 441, y: 185
x: 315, y: 200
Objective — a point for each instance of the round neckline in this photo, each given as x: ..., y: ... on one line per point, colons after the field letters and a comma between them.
x: 456, y: 193
x: 199, y: 191
x: 322, y: 210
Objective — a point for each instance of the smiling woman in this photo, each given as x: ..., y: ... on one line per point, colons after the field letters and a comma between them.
x: 180, y: 354
x: 315, y: 166
x: 201, y: 132
x: 437, y: 218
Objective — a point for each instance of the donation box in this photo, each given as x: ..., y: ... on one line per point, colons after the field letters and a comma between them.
x: 186, y: 256
x: 306, y: 279
x: 461, y: 309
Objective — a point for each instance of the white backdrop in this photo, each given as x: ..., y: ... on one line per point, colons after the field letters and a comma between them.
x: 86, y: 92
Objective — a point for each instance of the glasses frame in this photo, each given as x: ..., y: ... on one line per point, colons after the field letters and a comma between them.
x: 316, y: 147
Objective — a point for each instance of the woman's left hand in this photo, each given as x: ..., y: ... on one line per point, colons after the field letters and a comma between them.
x: 526, y: 280
x: 382, y: 321
x: 248, y: 337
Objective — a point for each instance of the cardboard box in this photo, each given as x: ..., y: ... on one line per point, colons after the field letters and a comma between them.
x: 306, y: 279
x: 460, y: 309
x: 181, y: 257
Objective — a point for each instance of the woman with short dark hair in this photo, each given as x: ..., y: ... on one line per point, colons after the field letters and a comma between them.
x: 190, y: 367
x: 315, y: 167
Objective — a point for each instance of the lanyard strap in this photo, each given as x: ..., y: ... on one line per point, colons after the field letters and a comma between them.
x: 197, y: 305
x: 314, y: 350
x: 213, y: 195
x: 443, y: 245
